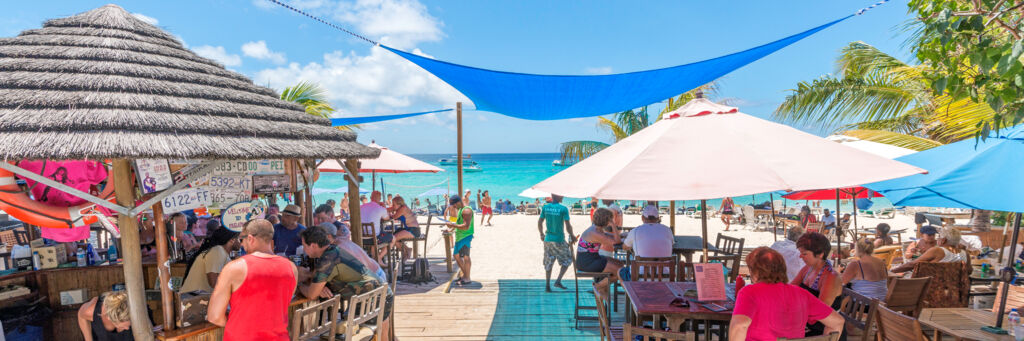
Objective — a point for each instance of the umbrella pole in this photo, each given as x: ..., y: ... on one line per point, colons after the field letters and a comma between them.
x: 458, y: 124
x: 672, y: 216
x: 775, y: 228
x: 1008, y: 270
x: 839, y: 228
x: 704, y: 226
x: 856, y: 229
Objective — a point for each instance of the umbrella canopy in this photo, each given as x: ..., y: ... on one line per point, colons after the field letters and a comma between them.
x: 533, y: 193
x: 880, y: 149
x: 887, y: 151
x: 389, y: 161
x: 337, y: 190
x: 967, y: 174
x: 104, y: 84
x: 435, y: 191
x: 705, y: 150
x: 830, y: 194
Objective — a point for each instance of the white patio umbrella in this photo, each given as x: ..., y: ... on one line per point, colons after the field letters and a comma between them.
x: 881, y: 149
x: 705, y: 150
x: 389, y: 161
x: 533, y: 193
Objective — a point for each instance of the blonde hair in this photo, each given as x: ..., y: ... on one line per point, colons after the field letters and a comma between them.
x: 865, y: 246
x: 951, y: 235
x: 116, y: 305
x: 398, y: 200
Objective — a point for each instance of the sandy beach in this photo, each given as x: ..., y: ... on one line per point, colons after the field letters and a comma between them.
x: 512, y: 248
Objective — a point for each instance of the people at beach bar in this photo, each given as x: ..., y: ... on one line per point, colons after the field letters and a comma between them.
x: 652, y: 238
x: 588, y: 256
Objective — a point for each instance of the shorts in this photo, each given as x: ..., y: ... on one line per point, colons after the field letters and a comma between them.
x: 462, y: 246
x: 556, y: 251
x: 590, y: 262
x: 385, y: 238
x: 413, y: 230
x: 485, y: 210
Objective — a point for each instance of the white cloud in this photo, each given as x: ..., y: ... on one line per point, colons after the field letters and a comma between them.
x: 146, y: 18
x: 398, y: 23
x: 600, y: 70
x: 259, y: 50
x: 218, y: 54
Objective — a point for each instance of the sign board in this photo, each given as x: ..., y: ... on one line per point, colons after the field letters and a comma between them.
x: 710, y: 281
x: 236, y: 215
x: 251, y: 167
x: 154, y: 175
x: 271, y: 183
x: 187, y: 199
x: 229, y: 189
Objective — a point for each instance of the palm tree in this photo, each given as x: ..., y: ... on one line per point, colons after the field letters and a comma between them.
x: 314, y: 98
x: 879, y: 98
x: 623, y: 124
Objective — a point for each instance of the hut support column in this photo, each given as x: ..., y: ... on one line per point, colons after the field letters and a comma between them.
x: 352, y: 169
x: 163, y: 271
x: 142, y: 327
x: 458, y: 123
x: 672, y: 216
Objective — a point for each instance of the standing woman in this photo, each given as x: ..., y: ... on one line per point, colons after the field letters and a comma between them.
x: 725, y: 211
x: 817, y: 276
x: 106, y: 318
x: 588, y: 256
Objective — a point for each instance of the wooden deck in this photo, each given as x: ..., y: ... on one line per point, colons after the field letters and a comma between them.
x: 505, y: 309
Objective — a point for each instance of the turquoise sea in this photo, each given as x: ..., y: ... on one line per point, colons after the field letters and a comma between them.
x: 503, y: 175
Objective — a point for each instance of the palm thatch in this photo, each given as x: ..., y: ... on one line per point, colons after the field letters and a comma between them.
x: 103, y: 84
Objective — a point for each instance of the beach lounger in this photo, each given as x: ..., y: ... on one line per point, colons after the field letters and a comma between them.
x: 532, y: 209
x: 633, y: 210
x: 577, y: 208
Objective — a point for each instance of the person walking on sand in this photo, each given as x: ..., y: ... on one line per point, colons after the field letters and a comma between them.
x: 556, y: 216
x: 463, y: 227
x: 726, y: 211
x: 258, y: 286
x: 485, y: 208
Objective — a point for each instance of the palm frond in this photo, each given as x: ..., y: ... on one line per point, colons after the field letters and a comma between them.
x: 614, y: 128
x: 574, y: 151
x: 313, y: 97
x: 830, y: 101
x: 955, y: 120
x: 892, y: 138
x: 858, y: 60
x: 905, y: 124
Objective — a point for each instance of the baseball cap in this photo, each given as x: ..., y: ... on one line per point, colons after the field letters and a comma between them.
x: 615, y: 208
x: 455, y: 199
x: 651, y: 211
x: 928, y: 229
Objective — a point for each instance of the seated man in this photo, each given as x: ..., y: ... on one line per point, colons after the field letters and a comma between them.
x: 787, y: 247
x: 373, y: 212
x: 652, y: 239
x: 828, y: 219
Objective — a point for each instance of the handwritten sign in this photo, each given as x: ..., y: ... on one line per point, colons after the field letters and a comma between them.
x: 187, y: 199
x: 236, y: 215
x: 154, y: 174
x: 710, y: 281
x: 251, y: 167
x: 271, y: 183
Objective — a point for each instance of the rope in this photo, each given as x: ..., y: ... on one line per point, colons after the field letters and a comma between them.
x: 423, y: 186
x: 296, y: 10
x: 862, y: 10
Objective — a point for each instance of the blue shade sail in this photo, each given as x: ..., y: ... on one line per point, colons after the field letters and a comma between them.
x: 984, y: 175
x: 553, y: 97
x: 344, y: 121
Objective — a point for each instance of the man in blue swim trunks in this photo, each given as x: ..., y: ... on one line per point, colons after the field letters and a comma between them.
x: 463, y: 227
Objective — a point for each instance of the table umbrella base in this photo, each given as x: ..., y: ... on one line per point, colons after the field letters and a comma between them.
x: 994, y: 330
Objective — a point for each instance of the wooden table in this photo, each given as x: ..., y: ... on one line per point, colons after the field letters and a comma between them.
x: 654, y: 299
x: 687, y: 245
x: 961, y: 323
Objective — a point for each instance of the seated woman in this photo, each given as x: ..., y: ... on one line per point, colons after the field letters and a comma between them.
x: 817, y: 276
x: 410, y: 228
x: 867, y: 274
x: 805, y: 217
x: 106, y: 317
x: 588, y: 257
x: 882, y: 237
x: 769, y: 308
x: 946, y: 250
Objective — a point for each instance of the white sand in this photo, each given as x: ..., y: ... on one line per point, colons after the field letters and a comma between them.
x: 512, y: 248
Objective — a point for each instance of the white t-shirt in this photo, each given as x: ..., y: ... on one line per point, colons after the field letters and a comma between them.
x: 792, y: 255
x: 829, y: 220
x: 372, y: 212
x: 650, y: 240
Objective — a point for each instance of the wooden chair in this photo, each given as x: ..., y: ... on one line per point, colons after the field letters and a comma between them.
x: 322, y: 315
x: 896, y: 326
x: 1014, y: 298
x: 577, y: 307
x: 730, y: 253
x: 906, y: 295
x: 830, y: 337
x: 369, y: 240
x: 949, y: 286
x: 728, y: 245
x: 887, y: 254
x: 653, y: 269
x: 608, y: 333
x: 684, y: 272
x: 859, y: 312
x: 365, y: 308
x: 631, y: 333
x: 815, y: 227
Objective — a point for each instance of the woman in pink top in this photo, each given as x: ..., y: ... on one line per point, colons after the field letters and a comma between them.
x: 770, y: 308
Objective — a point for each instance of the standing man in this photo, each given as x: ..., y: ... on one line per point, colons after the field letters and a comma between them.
x: 485, y: 208
x: 556, y: 216
x: 286, y: 234
x: 463, y: 227
x: 259, y: 287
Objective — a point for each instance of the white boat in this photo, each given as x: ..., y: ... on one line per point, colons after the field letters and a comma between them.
x: 454, y: 160
x: 472, y: 169
x: 559, y: 163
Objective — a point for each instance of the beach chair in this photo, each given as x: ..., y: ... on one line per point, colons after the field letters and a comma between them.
x: 321, y: 318
x: 641, y: 333
x: 577, y: 208
x: 886, y: 213
x: 633, y: 210
x: 663, y: 210
x: 906, y: 295
x: 532, y: 209
x: 859, y: 312
x: 815, y: 227
x: 608, y: 333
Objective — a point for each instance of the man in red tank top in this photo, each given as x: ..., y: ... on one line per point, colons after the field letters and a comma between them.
x: 259, y: 286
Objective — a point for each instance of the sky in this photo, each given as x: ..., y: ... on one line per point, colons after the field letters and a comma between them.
x: 278, y: 48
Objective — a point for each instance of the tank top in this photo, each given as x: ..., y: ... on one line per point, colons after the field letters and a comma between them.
x: 100, y: 332
x: 259, y: 308
x: 950, y: 256
x: 871, y: 289
x: 460, y: 234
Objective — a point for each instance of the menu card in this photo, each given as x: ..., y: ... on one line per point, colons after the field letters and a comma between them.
x: 710, y: 282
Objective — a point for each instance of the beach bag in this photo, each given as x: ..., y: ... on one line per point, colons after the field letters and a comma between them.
x: 420, y: 272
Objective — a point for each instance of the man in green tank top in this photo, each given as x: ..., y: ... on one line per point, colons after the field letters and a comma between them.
x: 463, y: 227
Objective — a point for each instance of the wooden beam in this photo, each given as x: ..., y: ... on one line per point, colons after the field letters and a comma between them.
x: 672, y: 216
x: 162, y: 267
x: 356, y: 226
x: 142, y: 327
x: 458, y: 118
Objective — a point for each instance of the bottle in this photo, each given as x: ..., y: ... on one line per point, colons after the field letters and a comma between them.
x: 1013, y: 319
x: 90, y: 255
x: 740, y: 283
x: 81, y: 257
x: 112, y: 253
x: 36, y: 264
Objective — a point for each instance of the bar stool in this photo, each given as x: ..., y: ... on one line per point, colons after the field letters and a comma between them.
x: 596, y: 277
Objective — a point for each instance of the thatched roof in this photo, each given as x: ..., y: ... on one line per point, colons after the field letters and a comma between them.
x: 103, y: 84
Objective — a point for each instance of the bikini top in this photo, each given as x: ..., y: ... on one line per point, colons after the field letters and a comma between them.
x: 585, y: 246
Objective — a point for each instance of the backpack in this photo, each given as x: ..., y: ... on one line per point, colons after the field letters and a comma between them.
x: 420, y: 272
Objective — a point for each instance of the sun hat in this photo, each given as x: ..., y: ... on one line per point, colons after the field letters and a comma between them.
x: 928, y: 229
x: 651, y: 211
x: 292, y: 210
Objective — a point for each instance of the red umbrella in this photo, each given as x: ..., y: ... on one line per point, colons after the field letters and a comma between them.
x: 830, y: 194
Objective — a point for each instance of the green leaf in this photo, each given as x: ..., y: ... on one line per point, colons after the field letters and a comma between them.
x: 939, y: 85
x: 1004, y: 64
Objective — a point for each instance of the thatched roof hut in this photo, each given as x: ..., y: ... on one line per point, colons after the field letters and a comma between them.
x: 104, y: 84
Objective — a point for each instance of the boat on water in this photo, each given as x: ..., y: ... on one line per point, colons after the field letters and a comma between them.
x: 559, y: 163
x: 472, y: 169
x: 454, y: 160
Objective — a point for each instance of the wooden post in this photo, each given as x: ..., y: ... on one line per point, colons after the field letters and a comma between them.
x: 142, y: 327
x: 839, y: 229
x: 163, y: 271
x: 458, y: 119
x: 775, y: 226
x: 353, y: 201
x: 672, y: 216
x: 704, y: 226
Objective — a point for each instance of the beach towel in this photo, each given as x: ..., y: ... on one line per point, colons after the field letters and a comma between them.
x: 82, y: 175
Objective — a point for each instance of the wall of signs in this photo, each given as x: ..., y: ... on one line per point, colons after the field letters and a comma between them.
x: 229, y: 183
